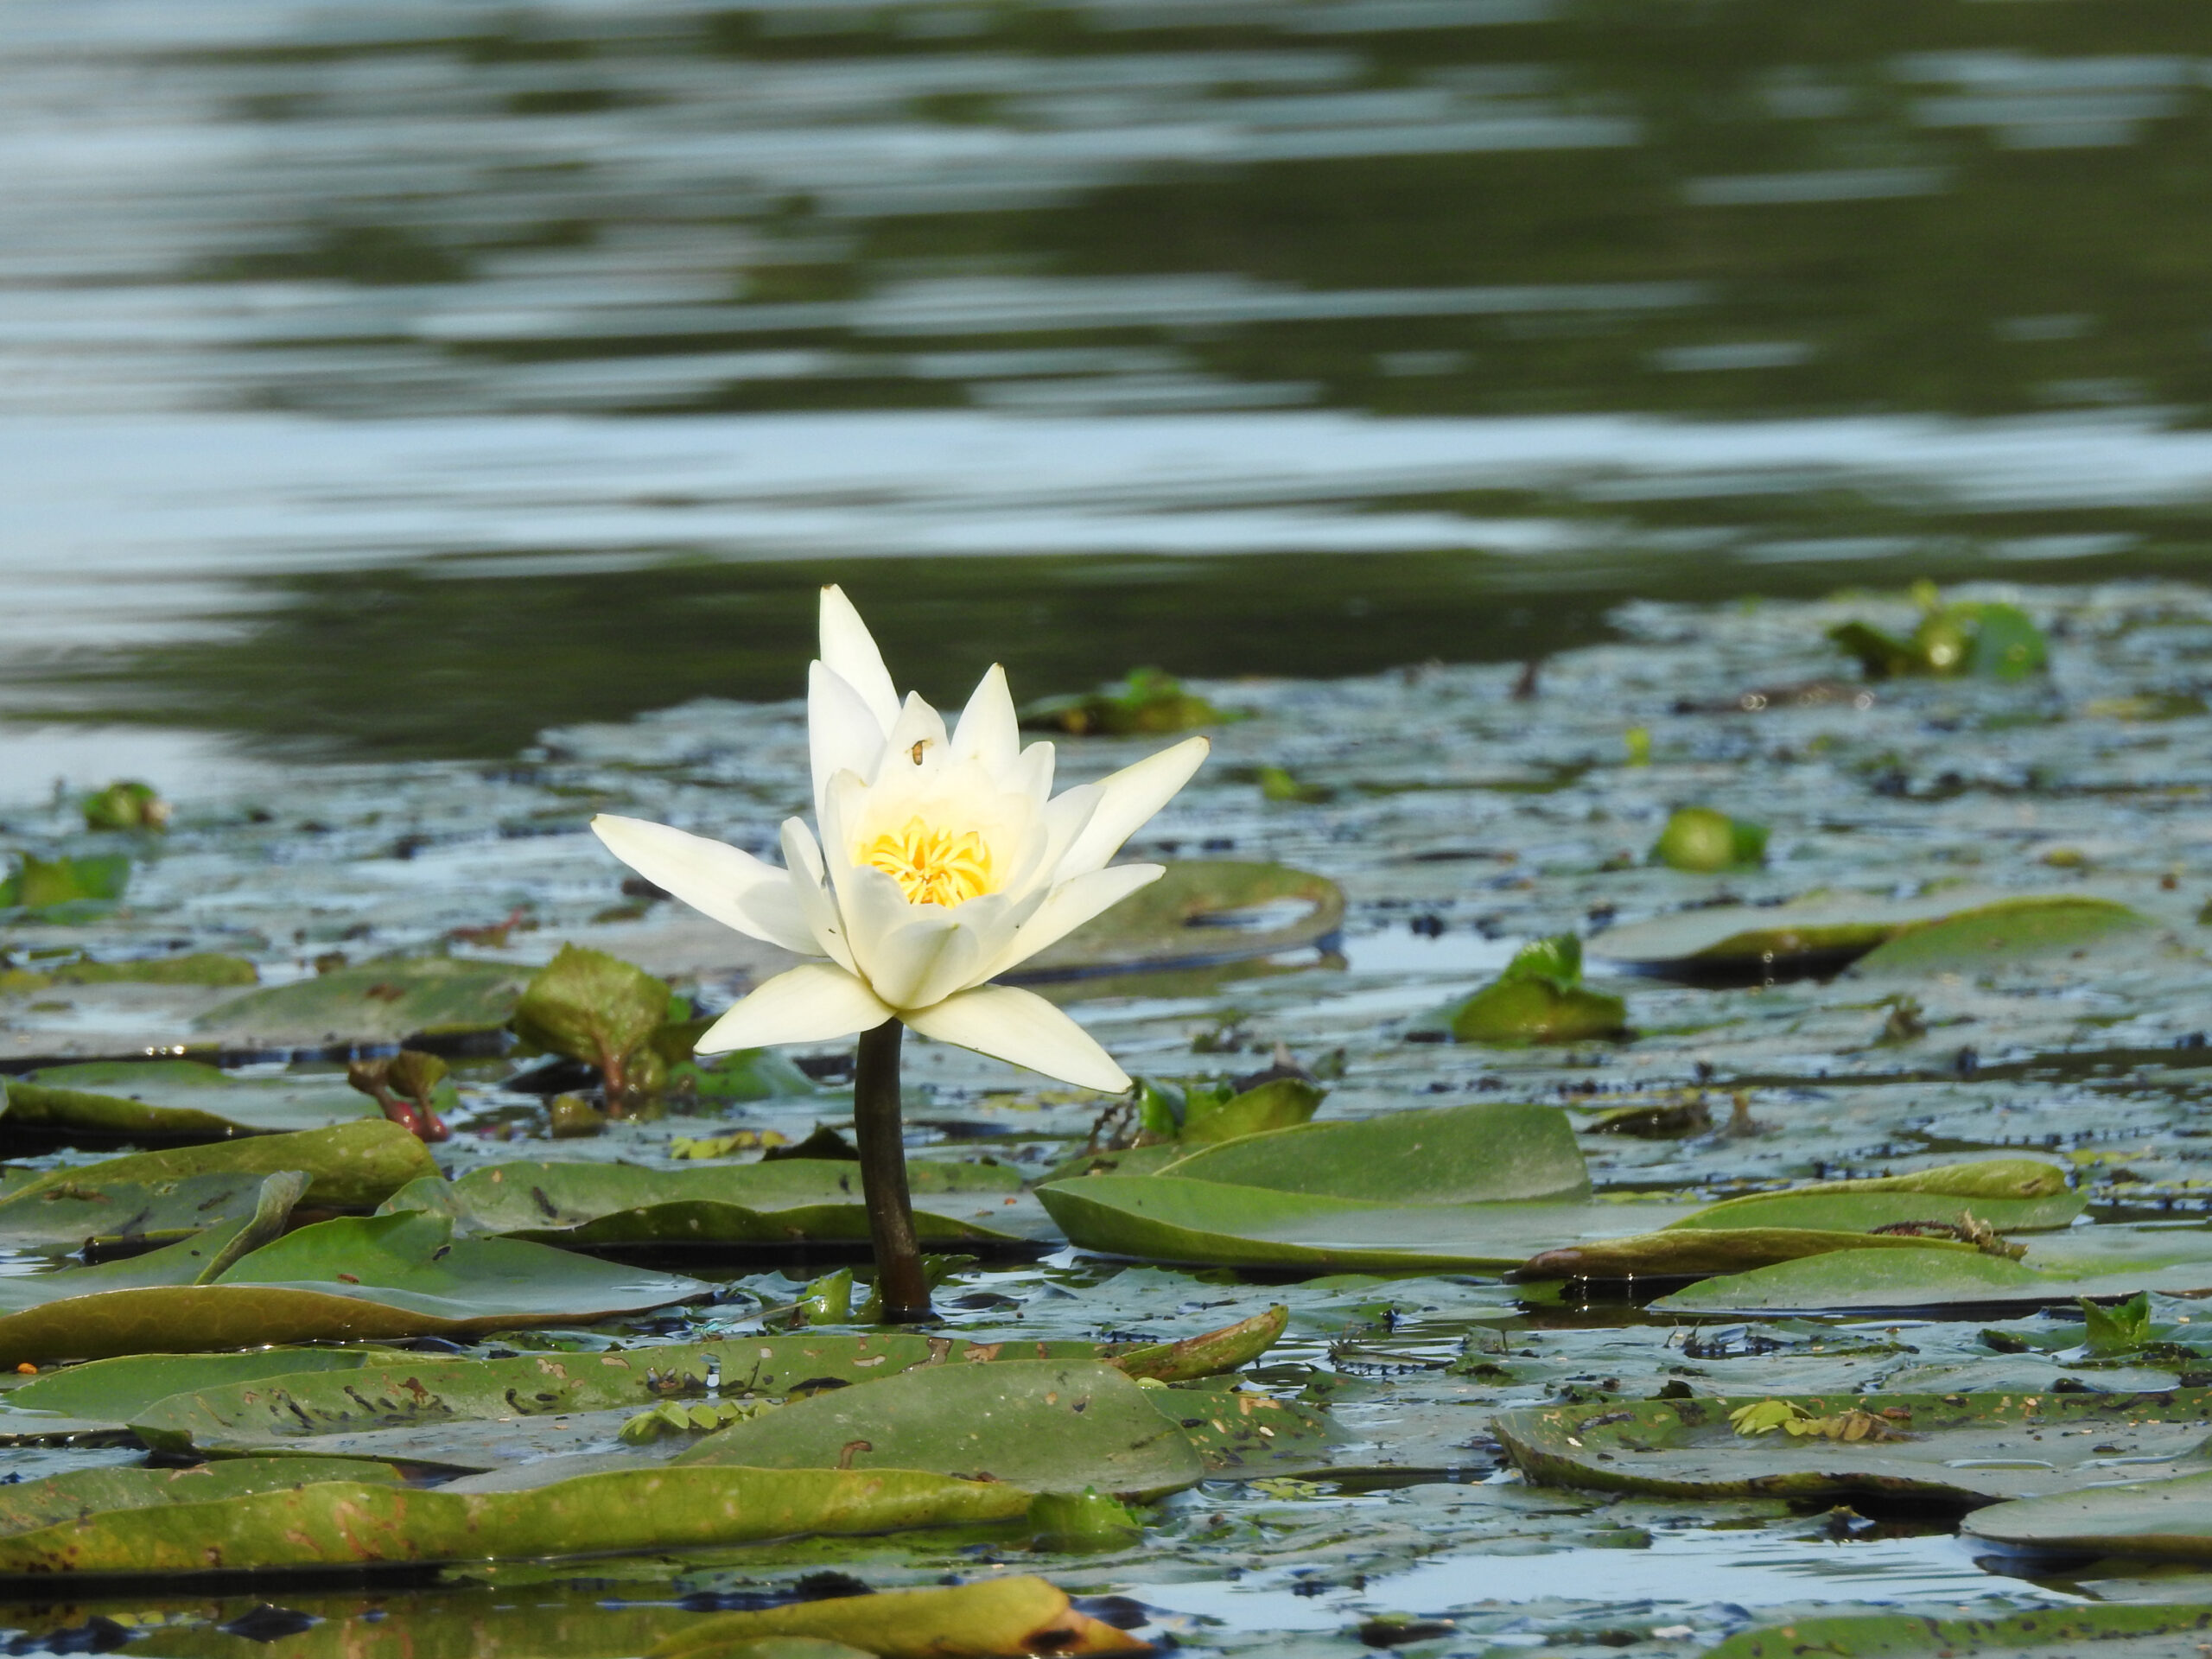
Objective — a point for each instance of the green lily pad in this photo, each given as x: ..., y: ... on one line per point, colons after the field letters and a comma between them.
x: 109, y: 1393
x: 1684, y: 1252
x: 743, y: 1074
x: 352, y: 1523
x: 1146, y: 702
x: 1540, y: 998
x: 1201, y: 911
x: 377, y: 1002
x: 1008, y: 1615
x: 2162, y: 1519
x: 1965, y: 637
x: 66, y: 889
x: 34, y: 1505
x: 1047, y: 1425
x: 1158, y: 1218
x: 1958, y: 1447
x: 201, y: 968
x: 146, y: 1099
x: 70, y: 1212
x: 602, y: 1010
x: 793, y: 1200
x: 1998, y: 933
x: 125, y: 804
x: 353, y: 1166
x: 1243, y: 1434
x: 378, y: 1277
x: 1701, y: 840
x: 1484, y: 1153
x: 2114, y: 1632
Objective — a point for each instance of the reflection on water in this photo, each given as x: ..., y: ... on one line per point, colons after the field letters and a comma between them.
x: 1568, y: 295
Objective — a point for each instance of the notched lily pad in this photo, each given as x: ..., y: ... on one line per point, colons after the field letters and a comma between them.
x: 1540, y: 998
x: 377, y: 1002
x: 1201, y: 911
x: 1966, y: 1448
x: 175, y: 1100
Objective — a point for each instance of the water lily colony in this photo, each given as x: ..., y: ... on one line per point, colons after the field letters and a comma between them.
x: 943, y: 860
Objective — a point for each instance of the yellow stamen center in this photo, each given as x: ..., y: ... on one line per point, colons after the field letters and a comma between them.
x: 931, y: 865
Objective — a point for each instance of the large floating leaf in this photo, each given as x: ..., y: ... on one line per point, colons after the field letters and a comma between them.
x: 1007, y: 1616
x: 1968, y: 1448
x: 34, y: 1505
x: 1047, y: 1425
x: 200, y: 968
x: 1200, y: 912
x: 353, y: 1166
x: 1684, y: 1251
x: 2064, y: 1632
x: 354, y: 1522
x: 1166, y: 1219
x: 1540, y: 998
x: 107, y: 1393
x: 70, y: 1212
x: 2164, y: 1519
x: 603, y: 1011
x: 66, y: 889
x: 1449, y: 1155
x: 158, y: 1098
x: 790, y: 1200
x: 380, y: 1001
x: 1999, y: 933
x: 379, y: 1277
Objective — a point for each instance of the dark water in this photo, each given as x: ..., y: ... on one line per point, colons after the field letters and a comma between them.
x: 409, y: 379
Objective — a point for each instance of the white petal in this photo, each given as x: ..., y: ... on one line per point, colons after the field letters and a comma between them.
x: 937, y: 946
x: 989, y: 731
x: 1031, y: 774
x: 1009, y: 1024
x: 850, y: 651
x: 917, y: 747
x: 1067, y: 907
x: 803, y: 863
x: 719, y: 880
x: 1132, y: 796
x: 812, y: 1003
x: 842, y: 734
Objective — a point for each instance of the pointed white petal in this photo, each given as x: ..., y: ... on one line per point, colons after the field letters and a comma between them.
x: 935, y: 952
x: 917, y: 743
x: 850, y: 651
x: 803, y: 861
x: 1031, y: 774
x: 1131, y: 796
x: 989, y: 731
x: 1067, y: 907
x: 719, y: 880
x: 842, y: 734
x: 1009, y: 1024
x: 812, y: 1003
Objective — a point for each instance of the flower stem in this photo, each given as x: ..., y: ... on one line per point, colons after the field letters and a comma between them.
x: 900, y: 1281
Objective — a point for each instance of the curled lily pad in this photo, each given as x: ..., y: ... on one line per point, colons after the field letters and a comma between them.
x: 1009, y: 1616
x: 1540, y: 998
x: 2161, y: 1519
x: 1480, y: 1153
x: 109, y: 1393
x: 353, y: 1166
x: 351, y: 1523
x: 600, y: 1009
x: 1959, y: 1447
x: 69, y: 1212
x: 376, y: 1002
x: 34, y: 1505
x: 789, y: 1201
x: 1965, y: 637
x: 125, y: 804
x: 1045, y: 1425
x: 2114, y: 1632
x: 1699, y: 839
x: 1201, y: 911
x: 174, y: 1099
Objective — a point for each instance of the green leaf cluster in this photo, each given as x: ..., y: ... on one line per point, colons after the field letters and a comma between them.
x: 66, y: 889
x: 605, y: 1011
x: 1965, y: 637
x: 125, y: 805
x: 1540, y: 998
x: 1148, y: 701
x: 1705, y: 842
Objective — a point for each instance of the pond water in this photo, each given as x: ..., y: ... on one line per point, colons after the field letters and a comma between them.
x: 422, y: 427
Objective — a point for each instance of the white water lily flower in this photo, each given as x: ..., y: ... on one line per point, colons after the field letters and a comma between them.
x: 944, y: 862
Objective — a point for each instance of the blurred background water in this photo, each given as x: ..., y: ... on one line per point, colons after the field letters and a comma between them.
x: 401, y: 379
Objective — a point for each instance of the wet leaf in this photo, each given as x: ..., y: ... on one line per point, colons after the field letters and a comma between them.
x: 2120, y: 1329
x: 175, y: 1099
x: 33, y: 1505
x: 1999, y: 933
x: 1448, y: 1155
x: 66, y: 889
x: 1201, y: 911
x: 1701, y: 840
x: 2114, y: 1632
x: 2160, y: 1519
x: 1244, y: 1434
x: 1147, y: 701
x: 69, y: 1212
x: 351, y: 1523
x: 788, y: 1201
x: 1086, y: 1520
x: 742, y: 1074
x: 1673, y: 1254
x: 1965, y: 636
x: 1962, y: 1447
x: 384, y: 1276
x: 596, y: 1008
x: 1044, y: 1425
x: 200, y: 968
x: 1205, y: 1355
x: 116, y: 1390
x: 125, y: 805
x: 353, y: 1166
x: 1539, y: 999
x: 1007, y: 1616
x: 377, y: 1002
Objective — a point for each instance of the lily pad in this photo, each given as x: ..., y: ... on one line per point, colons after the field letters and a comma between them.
x: 34, y: 1505
x: 2169, y: 1520
x: 353, y: 1166
x: 2114, y: 1632
x: 794, y: 1200
x: 66, y: 889
x: 68, y: 1213
x: 1540, y: 998
x: 176, y: 1099
x: 1966, y: 1448
x: 376, y: 1002
x: 2000, y: 932
x: 1484, y: 1153
x: 200, y: 968
x: 602, y: 1010
x: 125, y: 804
x: 1683, y: 1252
x: 379, y: 1277
x: 109, y: 1393
x: 1147, y: 701
x: 353, y: 1523
x: 1201, y: 911
x: 1701, y: 840
x: 1045, y: 1424
x: 1244, y: 1434
x: 1965, y: 637
x: 1009, y: 1616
